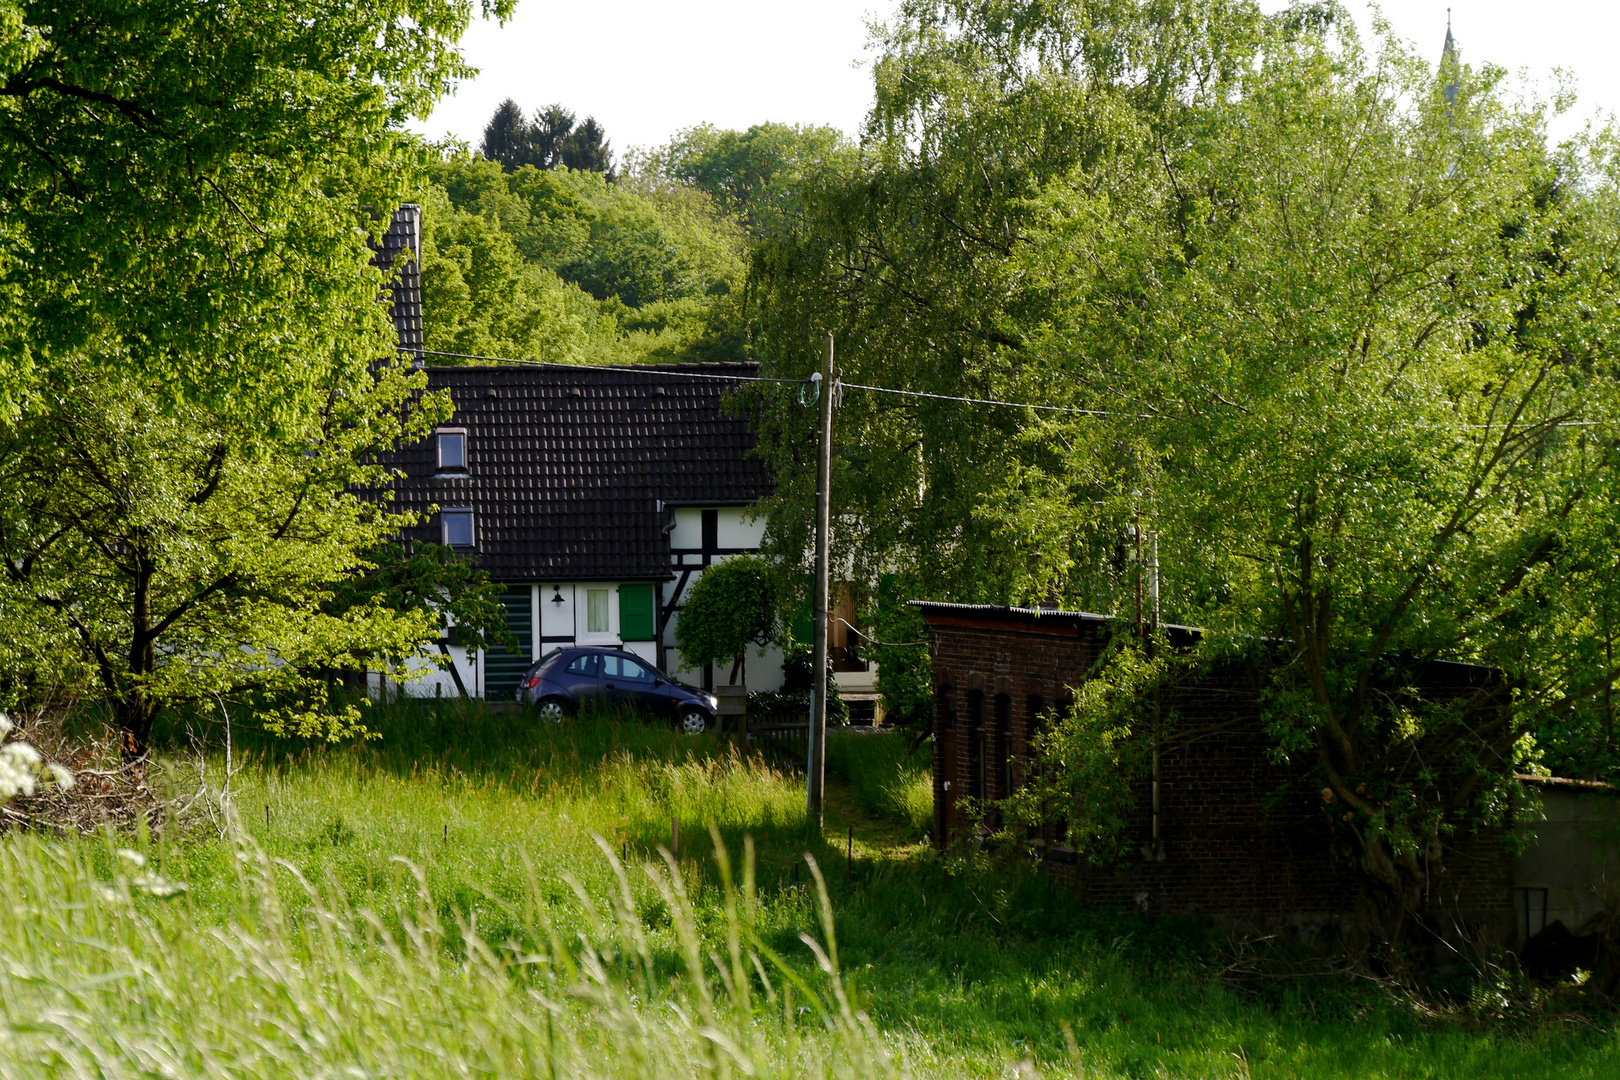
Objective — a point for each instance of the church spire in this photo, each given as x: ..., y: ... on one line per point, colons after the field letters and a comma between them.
x: 1448, y: 65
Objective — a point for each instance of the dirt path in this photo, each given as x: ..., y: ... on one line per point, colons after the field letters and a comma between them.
x: 876, y: 838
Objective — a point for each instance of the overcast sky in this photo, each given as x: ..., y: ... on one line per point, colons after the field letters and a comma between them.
x: 646, y: 70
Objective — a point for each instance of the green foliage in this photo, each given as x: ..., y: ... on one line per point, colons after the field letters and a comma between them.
x: 482, y: 297
x: 188, y: 199
x: 649, y: 244
x: 1359, y: 375
x: 430, y: 579
x: 1338, y: 348
x: 212, y: 171
x: 910, y: 253
x: 732, y: 606
x: 757, y: 175
x: 961, y: 968
x: 890, y: 775
x: 900, y: 648
x: 569, y: 266
x: 1087, y: 760
x: 798, y: 668
x: 392, y: 1002
x: 180, y: 557
x: 551, y: 140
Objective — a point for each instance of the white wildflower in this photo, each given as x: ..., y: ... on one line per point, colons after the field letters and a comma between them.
x: 19, y: 768
x: 134, y: 858
x: 159, y: 886
x: 61, y: 776
x: 6, y: 726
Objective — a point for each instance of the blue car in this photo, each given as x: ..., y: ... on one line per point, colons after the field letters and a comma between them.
x: 564, y: 680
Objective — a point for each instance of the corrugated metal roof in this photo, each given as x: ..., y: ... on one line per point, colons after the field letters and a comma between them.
x: 1005, y: 610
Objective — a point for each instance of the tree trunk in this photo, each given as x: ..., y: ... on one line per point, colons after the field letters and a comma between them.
x: 1396, y: 889
x: 135, y: 713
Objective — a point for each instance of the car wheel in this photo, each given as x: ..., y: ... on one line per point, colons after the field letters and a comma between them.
x: 694, y: 721
x: 552, y: 711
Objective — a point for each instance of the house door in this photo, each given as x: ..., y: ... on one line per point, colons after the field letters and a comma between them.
x: 947, y: 815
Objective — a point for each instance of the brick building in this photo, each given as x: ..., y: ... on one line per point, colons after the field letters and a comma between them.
x: 1240, y: 836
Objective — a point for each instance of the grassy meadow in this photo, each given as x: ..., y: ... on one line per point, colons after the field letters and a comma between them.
x: 475, y: 894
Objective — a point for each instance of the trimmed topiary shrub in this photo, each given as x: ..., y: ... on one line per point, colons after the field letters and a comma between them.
x: 732, y: 606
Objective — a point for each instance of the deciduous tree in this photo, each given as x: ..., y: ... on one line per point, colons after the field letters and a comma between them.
x: 185, y: 559
x: 1337, y: 340
x: 194, y: 363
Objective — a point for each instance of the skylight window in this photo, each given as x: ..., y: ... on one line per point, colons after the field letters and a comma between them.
x: 452, y: 451
x: 458, y: 527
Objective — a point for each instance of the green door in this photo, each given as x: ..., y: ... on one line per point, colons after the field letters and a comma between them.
x: 636, y: 621
x: 503, y: 669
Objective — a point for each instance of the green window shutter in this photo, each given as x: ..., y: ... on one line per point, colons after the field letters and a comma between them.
x: 803, y: 628
x: 636, y: 612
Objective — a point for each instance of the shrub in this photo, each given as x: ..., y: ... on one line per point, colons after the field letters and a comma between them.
x: 794, y: 697
x: 732, y: 606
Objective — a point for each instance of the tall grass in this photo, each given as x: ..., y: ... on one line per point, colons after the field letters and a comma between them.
x: 889, y: 775
x: 104, y: 980
x: 441, y: 889
x: 471, y: 797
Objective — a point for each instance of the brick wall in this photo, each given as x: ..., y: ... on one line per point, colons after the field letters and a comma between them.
x: 1243, y: 836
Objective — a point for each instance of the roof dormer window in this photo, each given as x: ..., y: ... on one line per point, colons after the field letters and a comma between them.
x: 452, y: 450
x: 457, y: 527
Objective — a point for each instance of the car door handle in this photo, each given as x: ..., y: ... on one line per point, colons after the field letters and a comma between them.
x: 610, y: 686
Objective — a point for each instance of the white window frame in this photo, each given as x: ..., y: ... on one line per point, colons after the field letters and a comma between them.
x: 444, y: 525
x: 583, y: 633
x: 438, y: 449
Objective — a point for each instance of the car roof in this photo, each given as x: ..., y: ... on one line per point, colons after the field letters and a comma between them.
x: 566, y: 649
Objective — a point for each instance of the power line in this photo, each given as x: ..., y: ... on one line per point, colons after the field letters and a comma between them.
x: 841, y: 385
x: 993, y: 401
x: 874, y: 641
x: 761, y: 378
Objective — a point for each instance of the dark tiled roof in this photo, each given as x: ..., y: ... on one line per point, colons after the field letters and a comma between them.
x: 405, y: 291
x: 571, y: 469
x: 568, y: 467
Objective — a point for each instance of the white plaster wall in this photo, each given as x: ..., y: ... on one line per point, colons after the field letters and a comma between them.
x: 647, y: 650
x: 735, y: 527
x: 688, y: 531
x: 534, y: 623
x: 421, y: 677
x: 556, y: 619
x: 763, y: 673
x: 738, y: 528
x: 856, y: 682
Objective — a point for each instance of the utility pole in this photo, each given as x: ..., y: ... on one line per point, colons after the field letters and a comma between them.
x: 818, y: 656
